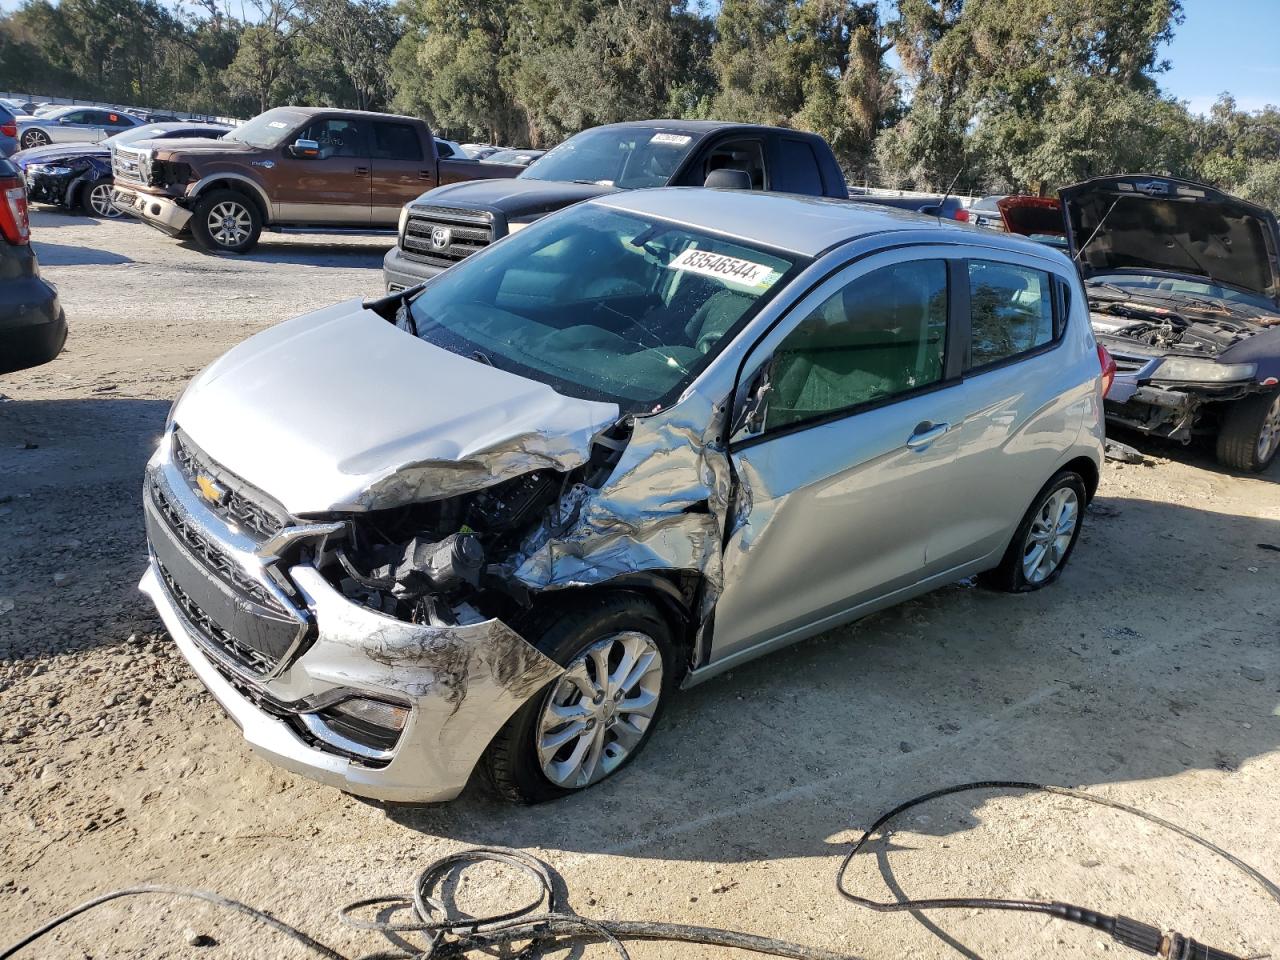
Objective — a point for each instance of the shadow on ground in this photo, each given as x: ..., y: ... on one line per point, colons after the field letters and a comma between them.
x: 67, y: 255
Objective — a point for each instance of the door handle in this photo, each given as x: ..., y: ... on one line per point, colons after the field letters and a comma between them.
x: 362, y: 171
x: 425, y: 175
x: 925, y: 433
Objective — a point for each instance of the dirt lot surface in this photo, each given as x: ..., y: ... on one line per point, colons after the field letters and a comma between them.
x: 1150, y: 673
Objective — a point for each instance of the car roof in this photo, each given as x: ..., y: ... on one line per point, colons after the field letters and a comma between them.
x: 703, y: 126
x: 317, y: 111
x: 800, y: 224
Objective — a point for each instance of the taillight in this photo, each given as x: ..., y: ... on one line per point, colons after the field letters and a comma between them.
x: 1108, y: 364
x: 13, y: 211
x: 962, y: 215
x: 9, y: 129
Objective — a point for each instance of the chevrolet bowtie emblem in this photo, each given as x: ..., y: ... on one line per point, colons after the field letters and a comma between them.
x: 210, y: 490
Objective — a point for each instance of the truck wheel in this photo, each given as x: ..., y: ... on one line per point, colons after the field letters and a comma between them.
x: 1044, y: 540
x: 95, y: 199
x: 226, y: 221
x: 1249, y: 438
x: 586, y: 725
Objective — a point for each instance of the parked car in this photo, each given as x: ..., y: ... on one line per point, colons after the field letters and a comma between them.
x: 33, y: 327
x: 72, y: 125
x: 947, y: 207
x: 450, y: 150
x: 478, y: 151
x: 8, y: 132
x: 20, y: 108
x: 1183, y: 283
x: 500, y: 519
x: 79, y: 175
x: 520, y: 158
x: 292, y: 167
x: 449, y: 223
x: 985, y: 212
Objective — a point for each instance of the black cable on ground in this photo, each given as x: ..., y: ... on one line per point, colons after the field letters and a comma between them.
x: 450, y: 935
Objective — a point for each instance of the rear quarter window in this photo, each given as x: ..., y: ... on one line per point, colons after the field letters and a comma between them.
x: 1011, y: 311
x: 798, y: 172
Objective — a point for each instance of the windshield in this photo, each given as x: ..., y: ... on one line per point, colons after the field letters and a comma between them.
x: 624, y: 157
x: 1180, y: 286
x: 601, y: 305
x: 268, y: 129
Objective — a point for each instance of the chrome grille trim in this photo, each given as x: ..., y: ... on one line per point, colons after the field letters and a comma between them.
x: 130, y: 166
x: 469, y: 231
x: 245, y: 512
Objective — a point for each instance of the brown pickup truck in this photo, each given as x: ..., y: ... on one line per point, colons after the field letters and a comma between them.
x: 291, y: 167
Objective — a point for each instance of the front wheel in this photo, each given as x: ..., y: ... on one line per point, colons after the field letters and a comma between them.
x: 226, y: 221
x: 1249, y: 438
x: 95, y: 200
x: 1045, y: 538
x: 619, y: 672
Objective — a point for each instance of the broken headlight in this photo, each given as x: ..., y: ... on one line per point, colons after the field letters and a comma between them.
x: 48, y: 170
x: 1193, y: 370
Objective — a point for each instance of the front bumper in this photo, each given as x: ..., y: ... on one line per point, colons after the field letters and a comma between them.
x: 461, y: 683
x: 163, y: 213
x: 399, y: 272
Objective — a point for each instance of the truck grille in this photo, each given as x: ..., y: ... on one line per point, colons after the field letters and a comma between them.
x: 444, y: 235
x: 240, y: 505
x: 131, y: 166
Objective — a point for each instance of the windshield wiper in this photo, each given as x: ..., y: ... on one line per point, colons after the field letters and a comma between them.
x: 481, y: 356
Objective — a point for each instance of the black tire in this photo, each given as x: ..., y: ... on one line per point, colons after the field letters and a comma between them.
x: 240, y: 237
x: 1249, y: 437
x: 563, y: 632
x: 90, y: 199
x: 1010, y: 576
x: 34, y: 138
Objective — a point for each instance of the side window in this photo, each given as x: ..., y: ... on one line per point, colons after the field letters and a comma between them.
x: 882, y: 335
x: 799, y: 171
x: 113, y: 119
x: 337, y: 136
x: 443, y: 150
x: 746, y: 155
x: 396, y: 141
x: 1012, y: 311
x: 77, y: 116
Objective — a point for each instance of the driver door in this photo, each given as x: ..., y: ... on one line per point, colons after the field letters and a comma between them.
x: 334, y: 188
x: 846, y: 465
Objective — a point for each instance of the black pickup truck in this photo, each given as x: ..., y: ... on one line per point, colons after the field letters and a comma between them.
x: 450, y: 222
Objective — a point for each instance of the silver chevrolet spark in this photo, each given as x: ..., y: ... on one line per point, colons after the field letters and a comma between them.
x: 497, y: 520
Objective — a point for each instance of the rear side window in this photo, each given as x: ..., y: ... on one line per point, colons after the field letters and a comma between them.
x: 882, y: 335
x: 1011, y: 308
x: 396, y: 141
x: 443, y: 150
x: 799, y: 171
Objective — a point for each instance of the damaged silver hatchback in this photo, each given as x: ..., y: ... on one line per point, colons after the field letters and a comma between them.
x: 496, y: 521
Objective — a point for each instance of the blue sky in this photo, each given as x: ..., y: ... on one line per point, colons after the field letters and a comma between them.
x: 1224, y: 45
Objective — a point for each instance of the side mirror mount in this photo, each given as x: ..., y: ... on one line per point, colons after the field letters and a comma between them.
x: 749, y: 419
x: 305, y: 149
x: 726, y: 179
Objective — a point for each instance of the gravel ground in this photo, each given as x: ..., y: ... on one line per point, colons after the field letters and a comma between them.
x: 1149, y: 674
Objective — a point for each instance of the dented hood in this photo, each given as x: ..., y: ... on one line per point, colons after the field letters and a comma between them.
x: 340, y: 410
x: 1172, y: 226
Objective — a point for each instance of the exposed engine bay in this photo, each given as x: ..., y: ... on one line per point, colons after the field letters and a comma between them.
x: 451, y: 561
x: 1174, y: 322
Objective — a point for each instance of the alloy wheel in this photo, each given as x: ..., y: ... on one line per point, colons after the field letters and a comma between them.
x: 1050, y: 535
x: 1269, y: 434
x: 35, y: 138
x: 599, y: 710
x: 229, y: 223
x: 101, y: 203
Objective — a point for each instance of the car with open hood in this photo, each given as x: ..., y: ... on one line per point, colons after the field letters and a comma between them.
x: 1183, y: 284
x: 499, y: 519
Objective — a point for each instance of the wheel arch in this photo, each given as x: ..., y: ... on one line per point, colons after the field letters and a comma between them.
x: 1088, y: 469
x: 240, y: 184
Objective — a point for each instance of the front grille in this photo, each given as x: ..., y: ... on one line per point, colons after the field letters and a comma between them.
x: 130, y: 166
x: 214, y: 559
x: 211, y: 631
x: 241, y: 505
x: 444, y: 235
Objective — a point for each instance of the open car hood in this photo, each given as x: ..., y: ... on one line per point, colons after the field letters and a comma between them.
x: 1165, y: 225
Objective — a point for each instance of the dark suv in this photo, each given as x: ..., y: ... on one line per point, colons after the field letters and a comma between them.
x: 32, y: 325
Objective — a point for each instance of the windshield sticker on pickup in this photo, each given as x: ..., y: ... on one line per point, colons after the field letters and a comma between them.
x: 672, y: 139
x: 756, y: 276
x: 277, y: 124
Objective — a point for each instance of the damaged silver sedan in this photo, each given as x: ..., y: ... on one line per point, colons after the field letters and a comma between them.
x: 497, y: 520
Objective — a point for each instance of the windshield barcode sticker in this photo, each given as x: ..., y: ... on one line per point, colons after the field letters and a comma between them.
x: 758, y: 276
x: 674, y: 139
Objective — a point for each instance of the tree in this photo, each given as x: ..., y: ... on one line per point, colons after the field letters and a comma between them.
x: 266, y: 56
x: 359, y: 36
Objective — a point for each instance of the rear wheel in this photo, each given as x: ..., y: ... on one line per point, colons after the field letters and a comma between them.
x: 95, y: 199
x: 34, y: 138
x: 1045, y: 538
x: 226, y: 221
x: 619, y: 672
x: 1249, y: 438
